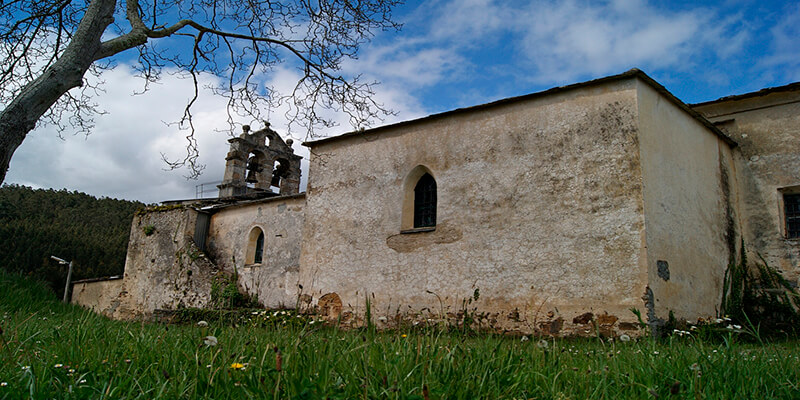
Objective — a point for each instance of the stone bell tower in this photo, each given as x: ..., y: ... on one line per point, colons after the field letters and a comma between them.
x: 258, y: 161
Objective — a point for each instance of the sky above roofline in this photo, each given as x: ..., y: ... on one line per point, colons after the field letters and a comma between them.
x: 450, y: 54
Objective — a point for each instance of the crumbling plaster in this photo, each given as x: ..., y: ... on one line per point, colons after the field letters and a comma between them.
x: 539, y: 207
x: 164, y: 269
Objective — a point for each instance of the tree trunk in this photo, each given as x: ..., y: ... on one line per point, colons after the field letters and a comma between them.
x: 20, y: 117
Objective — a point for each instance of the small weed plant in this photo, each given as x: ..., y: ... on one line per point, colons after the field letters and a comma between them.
x: 225, y: 294
x: 758, y: 298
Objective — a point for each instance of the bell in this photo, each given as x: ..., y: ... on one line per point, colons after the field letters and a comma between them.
x: 251, y: 176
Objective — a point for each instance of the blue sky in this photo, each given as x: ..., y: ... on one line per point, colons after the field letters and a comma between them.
x: 449, y: 54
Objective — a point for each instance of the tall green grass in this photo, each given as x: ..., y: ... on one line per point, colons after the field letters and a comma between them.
x: 50, y: 350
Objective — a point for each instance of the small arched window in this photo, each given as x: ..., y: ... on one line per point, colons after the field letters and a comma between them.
x: 259, y: 256
x: 425, y: 202
x: 255, y: 247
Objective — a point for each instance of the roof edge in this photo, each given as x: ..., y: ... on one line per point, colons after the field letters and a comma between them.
x: 759, y: 93
x: 100, y: 279
x: 632, y: 73
x: 223, y: 204
x: 689, y: 110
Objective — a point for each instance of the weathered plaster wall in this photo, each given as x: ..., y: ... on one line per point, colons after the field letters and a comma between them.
x: 274, y: 281
x: 689, y: 207
x: 164, y: 269
x: 539, y: 207
x: 767, y: 128
x: 99, y: 296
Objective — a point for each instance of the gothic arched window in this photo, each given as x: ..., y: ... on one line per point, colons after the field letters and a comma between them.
x: 425, y: 202
x: 259, y: 256
x: 255, y: 247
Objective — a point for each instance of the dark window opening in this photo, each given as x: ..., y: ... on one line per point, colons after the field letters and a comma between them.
x: 259, y: 249
x: 791, y: 207
x: 425, y: 202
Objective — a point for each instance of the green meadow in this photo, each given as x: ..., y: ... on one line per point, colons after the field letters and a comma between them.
x: 51, y: 350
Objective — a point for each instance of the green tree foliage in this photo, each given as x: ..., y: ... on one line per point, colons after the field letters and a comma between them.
x: 35, y: 224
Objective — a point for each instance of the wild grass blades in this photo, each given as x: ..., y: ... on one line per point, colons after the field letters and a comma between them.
x: 59, y: 351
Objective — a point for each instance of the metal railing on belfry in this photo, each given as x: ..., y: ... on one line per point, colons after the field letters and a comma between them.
x: 206, y: 190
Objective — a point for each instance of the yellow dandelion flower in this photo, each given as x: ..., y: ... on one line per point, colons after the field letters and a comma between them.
x: 237, y: 366
x: 403, y: 335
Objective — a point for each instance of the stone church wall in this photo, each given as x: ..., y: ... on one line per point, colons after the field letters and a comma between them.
x: 690, y: 208
x: 164, y: 268
x: 273, y: 281
x: 539, y: 213
x: 766, y: 124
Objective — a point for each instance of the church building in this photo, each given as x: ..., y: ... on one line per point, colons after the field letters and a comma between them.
x: 552, y: 213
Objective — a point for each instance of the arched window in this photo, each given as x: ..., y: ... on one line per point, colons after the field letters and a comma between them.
x: 255, y: 247
x: 419, y: 201
x: 259, y: 249
x: 425, y: 202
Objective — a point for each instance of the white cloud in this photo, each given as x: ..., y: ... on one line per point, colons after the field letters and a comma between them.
x: 784, y: 53
x: 464, y: 20
x: 572, y: 39
x: 456, y: 49
x: 122, y: 157
x: 409, y: 62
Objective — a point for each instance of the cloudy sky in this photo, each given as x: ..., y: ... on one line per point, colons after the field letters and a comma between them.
x: 449, y: 54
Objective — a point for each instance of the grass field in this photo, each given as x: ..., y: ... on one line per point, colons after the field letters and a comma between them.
x: 50, y: 350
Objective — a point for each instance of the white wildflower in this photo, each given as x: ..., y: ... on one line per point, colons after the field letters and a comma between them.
x: 58, y: 365
x: 542, y: 344
x: 3, y: 384
x: 82, y: 381
x: 737, y: 327
x: 210, y: 341
x: 624, y: 338
x: 524, y: 339
x: 202, y: 324
x: 26, y: 368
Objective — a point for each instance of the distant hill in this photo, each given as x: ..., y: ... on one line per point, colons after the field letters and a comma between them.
x: 38, y: 223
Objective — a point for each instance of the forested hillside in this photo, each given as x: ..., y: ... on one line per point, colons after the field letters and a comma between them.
x: 35, y: 224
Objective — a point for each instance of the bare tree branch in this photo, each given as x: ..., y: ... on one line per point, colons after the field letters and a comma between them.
x: 47, y: 48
